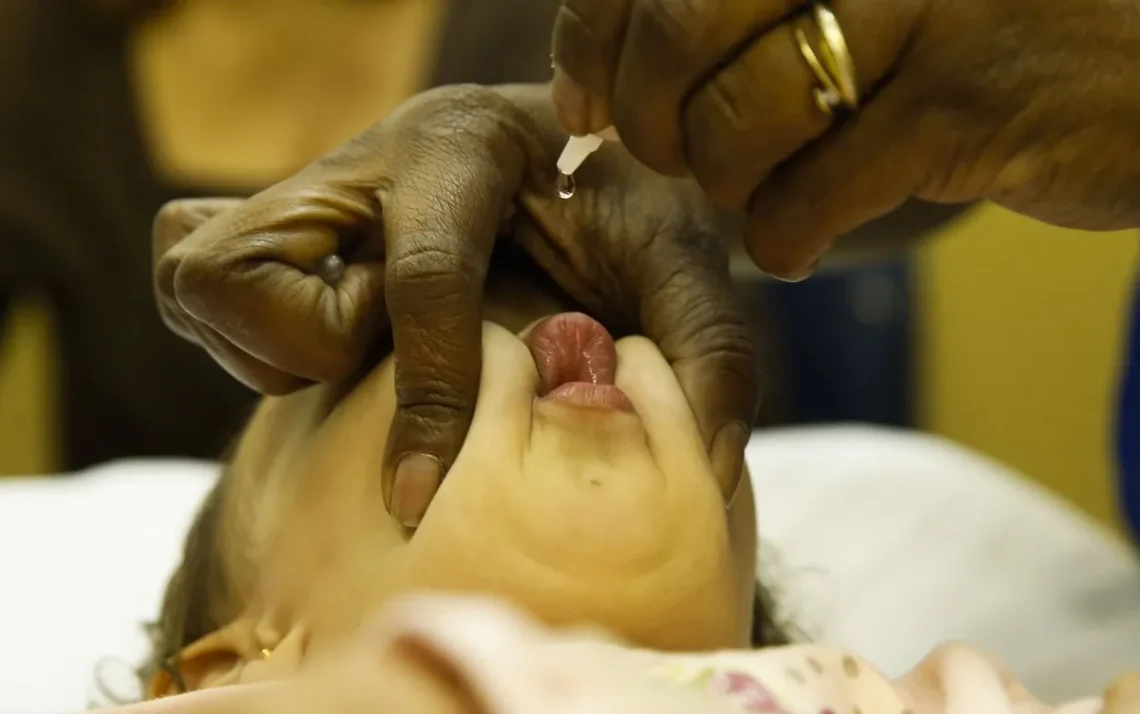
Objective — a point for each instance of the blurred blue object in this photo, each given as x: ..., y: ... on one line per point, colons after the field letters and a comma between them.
x: 845, y: 341
x: 1128, y: 427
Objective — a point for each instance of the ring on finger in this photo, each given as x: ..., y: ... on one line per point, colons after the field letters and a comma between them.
x: 832, y: 66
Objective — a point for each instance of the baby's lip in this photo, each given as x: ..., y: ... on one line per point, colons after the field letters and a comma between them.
x: 572, y: 347
x: 577, y: 362
x: 599, y: 397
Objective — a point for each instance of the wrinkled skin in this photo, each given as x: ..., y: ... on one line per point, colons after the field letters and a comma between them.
x: 1033, y: 104
x: 413, y: 207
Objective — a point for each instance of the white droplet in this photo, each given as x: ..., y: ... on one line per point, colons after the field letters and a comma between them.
x: 565, y: 185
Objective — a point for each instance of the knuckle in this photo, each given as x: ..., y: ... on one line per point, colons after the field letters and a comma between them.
x: 714, y: 120
x: 171, y: 225
x: 672, y: 26
x: 196, y: 274
x: 731, y: 348
x: 440, y: 120
x: 464, y: 109
x: 434, y: 402
x: 586, y: 22
x: 424, y: 275
x: 177, y: 219
x: 465, y: 103
x: 727, y: 370
x: 586, y: 40
x: 721, y: 104
x: 165, y: 268
x: 433, y: 372
x: 714, y: 325
x: 167, y: 221
x: 438, y: 429
x: 724, y: 153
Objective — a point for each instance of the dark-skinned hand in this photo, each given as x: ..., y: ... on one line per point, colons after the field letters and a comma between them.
x: 392, y: 234
x: 1034, y: 104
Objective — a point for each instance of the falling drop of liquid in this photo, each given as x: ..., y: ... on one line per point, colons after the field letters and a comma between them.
x: 565, y: 185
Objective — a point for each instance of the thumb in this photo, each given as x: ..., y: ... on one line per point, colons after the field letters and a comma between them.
x: 864, y: 169
x: 438, y: 246
x: 693, y: 316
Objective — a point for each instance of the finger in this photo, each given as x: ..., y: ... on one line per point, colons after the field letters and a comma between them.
x: 585, y: 48
x: 862, y: 171
x: 175, y: 221
x: 670, y: 45
x: 179, y: 218
x: 438, y: 254
x: 758, y: 110
x: 244, y: 367
x: 270, y: 279
x: 688, y: 307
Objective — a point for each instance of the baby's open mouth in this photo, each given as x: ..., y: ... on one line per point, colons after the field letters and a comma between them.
x: 577, y: 360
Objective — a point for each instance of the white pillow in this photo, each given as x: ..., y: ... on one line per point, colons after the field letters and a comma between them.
x: 889, y: 542
x: 885, y: 542
x: 83, y: 562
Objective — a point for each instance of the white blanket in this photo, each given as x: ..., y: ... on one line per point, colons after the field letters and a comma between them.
x: 881, y: 541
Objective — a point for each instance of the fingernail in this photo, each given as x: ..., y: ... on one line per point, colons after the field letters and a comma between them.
x: 797, y: 275
x: 571, y: 102
x: 418, y: 477
x: 727, y: 458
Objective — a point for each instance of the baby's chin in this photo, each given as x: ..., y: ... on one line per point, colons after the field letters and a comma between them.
x: 588, y: 541
x: 679, y: 601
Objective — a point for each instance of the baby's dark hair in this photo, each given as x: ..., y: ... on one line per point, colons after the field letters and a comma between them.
x: 197, y: 595
x: 200, y: 599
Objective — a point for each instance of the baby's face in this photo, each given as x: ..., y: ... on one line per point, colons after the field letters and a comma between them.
x: 583, y: 492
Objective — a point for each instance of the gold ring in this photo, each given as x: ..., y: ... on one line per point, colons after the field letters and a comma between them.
x: 833, y: 66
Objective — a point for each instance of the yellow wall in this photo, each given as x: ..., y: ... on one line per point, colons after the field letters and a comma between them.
x: 1022, y: 329
x: 28, y: 436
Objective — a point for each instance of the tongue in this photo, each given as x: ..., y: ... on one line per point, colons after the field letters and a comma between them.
x: 572, y: 347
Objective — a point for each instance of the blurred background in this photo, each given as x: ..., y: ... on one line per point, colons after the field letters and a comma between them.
x: 997, y: 332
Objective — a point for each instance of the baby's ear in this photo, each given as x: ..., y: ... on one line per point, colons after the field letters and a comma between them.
x: 218, y: 659
x: 178, y: 219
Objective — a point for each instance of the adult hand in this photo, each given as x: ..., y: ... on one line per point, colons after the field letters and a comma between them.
x: 395, y: 229
x: 1034, y: 104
